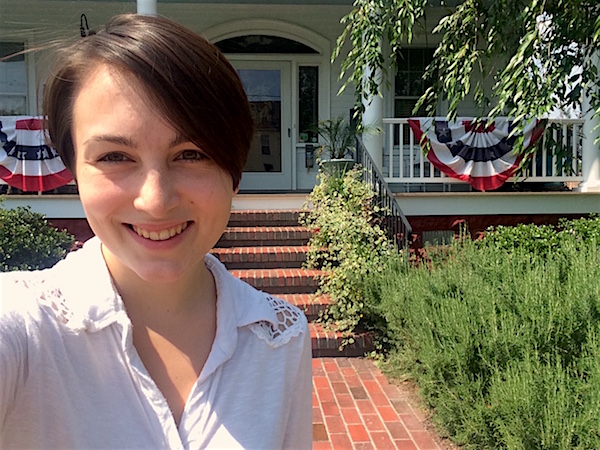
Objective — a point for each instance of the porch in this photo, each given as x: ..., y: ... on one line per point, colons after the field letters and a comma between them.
x: 559, y: 181
x: 558, y: 163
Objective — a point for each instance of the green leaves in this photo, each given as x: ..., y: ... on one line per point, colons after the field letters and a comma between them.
x: 340, y: 138
x: 28, y: 242
x: 519, y: 58
x: 502, y: 335
x: 347, y: 244
x: 367, y: 27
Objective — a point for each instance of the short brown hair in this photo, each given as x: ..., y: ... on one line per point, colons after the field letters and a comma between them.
x: 188, y: 79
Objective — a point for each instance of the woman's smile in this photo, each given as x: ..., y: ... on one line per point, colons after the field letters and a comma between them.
x: 160, y: 235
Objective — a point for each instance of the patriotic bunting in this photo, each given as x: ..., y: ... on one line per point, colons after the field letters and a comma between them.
x: 26, y: 162
x: 479, y: 153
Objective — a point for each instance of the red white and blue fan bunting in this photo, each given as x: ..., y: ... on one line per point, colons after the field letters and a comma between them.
x: 26, y: 162
x: 479, y: 153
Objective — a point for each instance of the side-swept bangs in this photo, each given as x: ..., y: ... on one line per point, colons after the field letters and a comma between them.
x: 187, y: 79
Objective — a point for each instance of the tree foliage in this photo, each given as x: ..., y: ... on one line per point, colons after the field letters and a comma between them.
x: 541, y: 54
x: 29, y: 242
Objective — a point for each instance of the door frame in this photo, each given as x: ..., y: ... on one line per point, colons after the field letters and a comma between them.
x: 321, y: 44
x: 273, y: 181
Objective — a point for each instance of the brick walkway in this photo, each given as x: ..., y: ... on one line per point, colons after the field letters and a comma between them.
x: 354, y: 407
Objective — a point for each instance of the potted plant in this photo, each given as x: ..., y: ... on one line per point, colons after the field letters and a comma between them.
x: 336, y: 154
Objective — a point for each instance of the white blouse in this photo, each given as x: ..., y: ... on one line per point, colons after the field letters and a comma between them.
x: 71, y: 378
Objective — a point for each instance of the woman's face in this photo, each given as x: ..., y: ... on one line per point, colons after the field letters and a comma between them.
x: 155, y: 200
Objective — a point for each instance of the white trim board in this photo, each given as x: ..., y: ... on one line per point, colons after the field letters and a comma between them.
x: 69, y: 206
x: 414, y: 204
x: 498, y: 203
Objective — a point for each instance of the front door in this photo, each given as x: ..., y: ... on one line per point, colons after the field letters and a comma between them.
x: 268, y: 87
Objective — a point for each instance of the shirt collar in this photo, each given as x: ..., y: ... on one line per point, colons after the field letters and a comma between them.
x: 89, y: 293
x: 238, y: 305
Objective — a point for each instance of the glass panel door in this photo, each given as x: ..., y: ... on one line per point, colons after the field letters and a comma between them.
x: 267, y: 85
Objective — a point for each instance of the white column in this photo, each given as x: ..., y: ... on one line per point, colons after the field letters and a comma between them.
x: 373, y: 117
x: 147, y: 7
x: 590, y: 157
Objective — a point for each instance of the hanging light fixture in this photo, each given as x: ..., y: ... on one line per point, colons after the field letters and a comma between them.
x: 84, y: 29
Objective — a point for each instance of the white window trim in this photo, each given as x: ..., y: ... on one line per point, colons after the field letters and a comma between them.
x: 31, y: 102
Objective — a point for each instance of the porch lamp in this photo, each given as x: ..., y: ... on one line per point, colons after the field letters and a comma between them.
x: 147, y: 7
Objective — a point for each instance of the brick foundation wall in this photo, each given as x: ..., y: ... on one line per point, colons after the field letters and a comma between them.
x: 477, y: 224
x: 77, y: 227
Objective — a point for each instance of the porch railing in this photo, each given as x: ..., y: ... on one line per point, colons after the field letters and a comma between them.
x: 558, y: 158
x: 392, y: 218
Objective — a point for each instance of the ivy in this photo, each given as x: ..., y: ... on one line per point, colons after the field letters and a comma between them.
x: 541, y: 55
x: 347, y: 244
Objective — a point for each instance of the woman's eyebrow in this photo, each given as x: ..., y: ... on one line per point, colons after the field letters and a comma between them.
x: 112, y: 139
x: 127, y: 142
x: 179, y: 139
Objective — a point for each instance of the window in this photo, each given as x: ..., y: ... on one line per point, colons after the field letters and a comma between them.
x: 13, y: 80
x: 409, y: 84
x: 308, y: 99
x: 258, y: 43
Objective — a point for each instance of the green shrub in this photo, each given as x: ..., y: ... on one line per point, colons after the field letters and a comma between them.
x: 502, y: 337
x: 585, y: 231
x: 538, y: 239
x: 28, y: 242
x: 347, y: 244
x: 542, y: 240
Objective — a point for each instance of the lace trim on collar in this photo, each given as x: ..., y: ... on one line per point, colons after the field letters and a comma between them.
x: 289, y: 324
x: 51, y: 298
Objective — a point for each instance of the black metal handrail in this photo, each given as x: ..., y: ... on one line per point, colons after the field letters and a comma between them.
x: 392, y: 218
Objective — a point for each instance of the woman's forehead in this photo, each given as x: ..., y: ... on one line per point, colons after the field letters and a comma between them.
x: 107, y: 78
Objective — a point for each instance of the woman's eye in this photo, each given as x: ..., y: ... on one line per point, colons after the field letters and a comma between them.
x: 114, y: 157
x: 193, y: 155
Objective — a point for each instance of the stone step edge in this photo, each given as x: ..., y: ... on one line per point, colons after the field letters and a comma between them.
x: 264, y: 236
x: 328, y: 343
x: 267, y: 229
x: 254, y: 257
x: 277, y: 273
x: 310, y: 304
x: 268, y: 249
x: 239, y: 214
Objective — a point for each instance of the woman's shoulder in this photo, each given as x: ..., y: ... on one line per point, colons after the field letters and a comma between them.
x: 272, y: 319
x: 56, y: 293
x: 25, y: 292
x: 287, y: 322
x: 19, y: 287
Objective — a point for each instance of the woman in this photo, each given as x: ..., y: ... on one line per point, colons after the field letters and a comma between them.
x: 142, y: 339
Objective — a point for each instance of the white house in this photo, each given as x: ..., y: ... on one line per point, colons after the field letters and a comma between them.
x: 282, y: 50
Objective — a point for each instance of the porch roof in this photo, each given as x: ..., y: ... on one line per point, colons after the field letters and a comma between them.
x: 448, y: 3
x: 237, y: 2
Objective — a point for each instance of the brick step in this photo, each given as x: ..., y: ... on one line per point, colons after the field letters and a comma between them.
x: 310, y: 304
x: 281, y: 281
x: 261, y: 257
x: 326, y: 343
x: 255, y: 218
x: 264, y: 236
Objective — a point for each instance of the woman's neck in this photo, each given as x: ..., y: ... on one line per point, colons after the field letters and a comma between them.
x: 160, y: 302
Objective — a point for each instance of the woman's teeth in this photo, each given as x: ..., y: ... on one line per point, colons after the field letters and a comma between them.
x: 162, y: 235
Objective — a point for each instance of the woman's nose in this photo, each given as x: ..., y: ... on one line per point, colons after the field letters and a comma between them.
x: 157, y: 194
